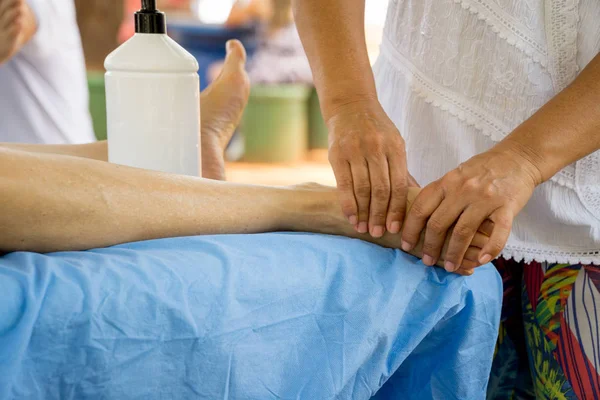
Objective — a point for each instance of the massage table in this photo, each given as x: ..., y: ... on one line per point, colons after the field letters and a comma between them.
x: 269, y: 316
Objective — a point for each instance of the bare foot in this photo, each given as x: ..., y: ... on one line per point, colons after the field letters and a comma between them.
x: 221, y: 107
x: 12, y: 13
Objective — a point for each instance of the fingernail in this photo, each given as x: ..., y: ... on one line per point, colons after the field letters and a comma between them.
x: 485, y: 259
x: 395, y: 227
x: 450, y: 267
x: 428, y: 260
x: 363, y: 227
x: 406, y: 246
x: 377, y: 232
x: 228, y: 45
x: 353, y: 219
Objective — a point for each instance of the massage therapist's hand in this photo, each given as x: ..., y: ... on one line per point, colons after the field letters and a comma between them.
x: 494, y: 186
x: 368, y: 158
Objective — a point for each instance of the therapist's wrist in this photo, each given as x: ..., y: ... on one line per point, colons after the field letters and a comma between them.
x: 531, y: 160
x: 335, y: 99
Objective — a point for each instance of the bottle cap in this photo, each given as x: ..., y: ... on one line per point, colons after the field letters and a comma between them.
x: 149, y: 19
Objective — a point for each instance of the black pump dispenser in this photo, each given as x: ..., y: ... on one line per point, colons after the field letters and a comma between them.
x: 149, y: 19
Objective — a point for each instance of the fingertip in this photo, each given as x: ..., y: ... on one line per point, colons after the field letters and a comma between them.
x: 394, y: 227
x: 363, y: 227
x: 378, y: 231
x: 449, y: 266
x: 428, y: 260
x: 406, y: 246
x: 485, y: 259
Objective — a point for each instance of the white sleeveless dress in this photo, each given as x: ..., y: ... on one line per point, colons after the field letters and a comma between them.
x: 457, y: 76
x: 43, y: 89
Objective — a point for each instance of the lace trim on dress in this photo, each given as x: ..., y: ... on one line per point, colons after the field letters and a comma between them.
x: 562, y: 19
x: 513, y: 33
x: 447, y: 100
x: 541, y: 254
x: 443, y: 98
x: 588, y: 182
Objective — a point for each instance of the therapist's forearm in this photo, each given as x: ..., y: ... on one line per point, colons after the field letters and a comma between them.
x: 565, y: 130
x: 333, y: 35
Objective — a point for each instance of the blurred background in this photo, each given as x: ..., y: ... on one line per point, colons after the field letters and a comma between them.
x: 283, y: 138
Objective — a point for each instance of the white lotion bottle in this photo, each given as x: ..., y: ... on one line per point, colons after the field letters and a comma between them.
x: 153, y: 100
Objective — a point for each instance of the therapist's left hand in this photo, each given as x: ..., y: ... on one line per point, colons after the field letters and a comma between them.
x: 494, y: 185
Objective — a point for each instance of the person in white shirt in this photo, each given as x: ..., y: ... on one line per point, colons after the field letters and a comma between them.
x: 494, y: 106
x: 43, y: 84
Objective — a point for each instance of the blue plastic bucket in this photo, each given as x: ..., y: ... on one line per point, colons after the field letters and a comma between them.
x: 207, y: 42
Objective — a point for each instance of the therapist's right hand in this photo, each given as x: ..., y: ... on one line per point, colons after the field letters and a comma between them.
x: 368, y: 158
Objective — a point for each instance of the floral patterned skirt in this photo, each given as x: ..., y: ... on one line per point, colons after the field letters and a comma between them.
x: 549, y: 341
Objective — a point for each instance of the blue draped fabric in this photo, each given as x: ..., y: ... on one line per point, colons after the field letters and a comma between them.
x: 273, y: 316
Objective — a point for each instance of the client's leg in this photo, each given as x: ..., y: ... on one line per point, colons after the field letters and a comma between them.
x: 50, y: 203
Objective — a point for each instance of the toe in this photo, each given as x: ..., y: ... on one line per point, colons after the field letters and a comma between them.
x: 232, y: 76
x: 233, y: 82
x: 236, y: 56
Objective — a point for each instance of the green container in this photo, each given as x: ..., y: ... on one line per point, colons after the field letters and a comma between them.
x: 318, y: 138
x: 97, y: 103
x: 275, y: 124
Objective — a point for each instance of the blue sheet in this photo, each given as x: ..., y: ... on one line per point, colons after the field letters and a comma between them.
x: 274, y: 316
